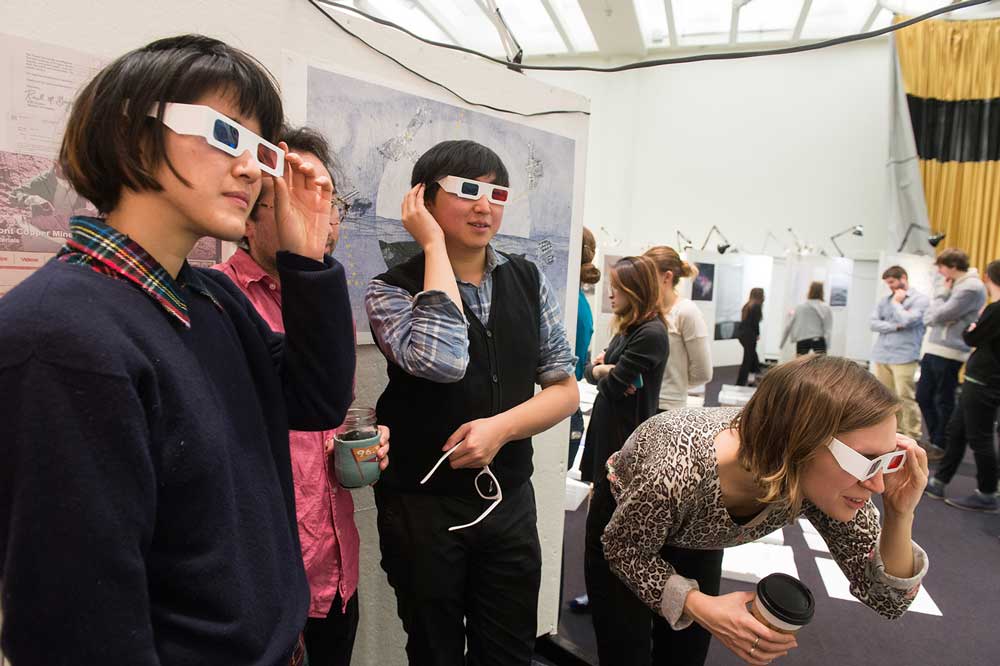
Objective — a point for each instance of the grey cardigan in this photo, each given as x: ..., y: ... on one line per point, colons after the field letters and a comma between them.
x: 812, y: 319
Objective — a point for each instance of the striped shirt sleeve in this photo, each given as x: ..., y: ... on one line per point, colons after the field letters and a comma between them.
x: 556, y: 358
x: 426, y: 335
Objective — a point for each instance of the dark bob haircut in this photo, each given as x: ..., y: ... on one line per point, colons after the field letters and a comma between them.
x: 465, y: 159
x: 110, y: 143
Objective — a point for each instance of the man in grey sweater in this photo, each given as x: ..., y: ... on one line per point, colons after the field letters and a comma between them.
x: 958, y: 298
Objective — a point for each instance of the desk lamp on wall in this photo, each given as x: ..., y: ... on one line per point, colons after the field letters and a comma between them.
x: 721, y: 247
x: 932, y: 239
x: 683, y: 242
x: 855, y: 230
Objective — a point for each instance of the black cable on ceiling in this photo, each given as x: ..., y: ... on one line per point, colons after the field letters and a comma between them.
x: 703, y: 57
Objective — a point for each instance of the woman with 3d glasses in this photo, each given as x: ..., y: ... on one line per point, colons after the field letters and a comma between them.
x: 817, y: 439
x: 628, y: 376
x: 145, y: 461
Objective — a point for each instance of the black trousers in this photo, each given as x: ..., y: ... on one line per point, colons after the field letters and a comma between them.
x: 936, y: 395
x: 330, y: 639
x: 750, y: 361
x: 477, y: 586
x: 972, y: 423
x: 628, y: 632
x: 817, y: 345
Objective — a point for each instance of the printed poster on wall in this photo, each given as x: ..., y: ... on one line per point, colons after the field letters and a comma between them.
x: 39, y: 83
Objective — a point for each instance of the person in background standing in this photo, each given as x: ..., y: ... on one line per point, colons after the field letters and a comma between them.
x: 628, y: 376
x: 690, y: 361
x: 958, y: 298
x: 324, y: 511
x: 899, y: 321
x: 589, y: 274
x: 749, y: 334
x: 811, y: 327
x: 972, y: 422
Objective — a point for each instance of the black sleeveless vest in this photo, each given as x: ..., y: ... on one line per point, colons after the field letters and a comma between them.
x: 503, y: 360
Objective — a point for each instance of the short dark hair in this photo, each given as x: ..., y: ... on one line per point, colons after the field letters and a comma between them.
x: 108, y: 123
x: 465, y: 159
x: 894, y: 272
x: 993, y: 271
x: 953, y: 258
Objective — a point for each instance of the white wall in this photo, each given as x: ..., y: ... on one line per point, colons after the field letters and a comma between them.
x: 267, y: 28
x: 750, y: 145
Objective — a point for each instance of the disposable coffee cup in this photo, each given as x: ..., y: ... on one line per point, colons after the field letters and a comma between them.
x: 355, y: 449
x: 783, y: 603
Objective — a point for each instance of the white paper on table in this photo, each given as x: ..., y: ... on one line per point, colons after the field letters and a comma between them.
x: 752, y: 561
x: 816, y: 542
x: 576, y: 493
x: 588, y: 394
x: 806, y: 526
x: 838, y: 587
x: 777, y: 538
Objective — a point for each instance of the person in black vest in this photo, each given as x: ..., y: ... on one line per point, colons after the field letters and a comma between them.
x: 467, y: 332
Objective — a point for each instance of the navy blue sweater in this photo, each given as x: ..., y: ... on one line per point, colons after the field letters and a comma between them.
x: 146, y: 504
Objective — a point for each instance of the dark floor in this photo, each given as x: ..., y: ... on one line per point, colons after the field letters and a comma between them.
x: 964, y: 582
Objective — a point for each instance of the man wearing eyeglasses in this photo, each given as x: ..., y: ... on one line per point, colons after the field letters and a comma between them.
x: 467, y: 332
x: 324, y: 510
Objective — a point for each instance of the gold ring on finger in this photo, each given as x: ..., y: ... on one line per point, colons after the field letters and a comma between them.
x: 756, y: 642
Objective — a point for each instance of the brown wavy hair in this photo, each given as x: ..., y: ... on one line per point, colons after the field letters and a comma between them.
x: 756, y: 296
x: 636, y: 279
x: 666, y: 259
x: 798, y: 408
x: 589, y: 273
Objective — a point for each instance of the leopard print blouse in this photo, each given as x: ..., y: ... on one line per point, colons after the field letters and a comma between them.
x: 666, y: 482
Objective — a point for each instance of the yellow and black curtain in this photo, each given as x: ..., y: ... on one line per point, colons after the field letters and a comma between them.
x: 951, y: 73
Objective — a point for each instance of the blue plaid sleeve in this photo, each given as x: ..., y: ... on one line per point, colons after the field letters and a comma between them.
x: 556, y: 359
x: 426, y: 335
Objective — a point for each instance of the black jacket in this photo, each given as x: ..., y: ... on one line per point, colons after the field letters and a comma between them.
x: 642, y: 351
x: 984, y: 364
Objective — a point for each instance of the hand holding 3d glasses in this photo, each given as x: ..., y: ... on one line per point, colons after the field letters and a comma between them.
x: 904, y: 490
x: 481, y: 441
x: 302, y: 204
x: 486, y: 485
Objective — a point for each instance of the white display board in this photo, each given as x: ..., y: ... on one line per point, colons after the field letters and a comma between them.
x: 733, y: 276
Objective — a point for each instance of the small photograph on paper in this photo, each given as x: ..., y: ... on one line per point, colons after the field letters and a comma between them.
x: 36, y: 202
x: 703, y: 285
x: 609, y: 261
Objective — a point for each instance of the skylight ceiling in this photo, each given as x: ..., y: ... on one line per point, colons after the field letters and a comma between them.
x: 635, y: 27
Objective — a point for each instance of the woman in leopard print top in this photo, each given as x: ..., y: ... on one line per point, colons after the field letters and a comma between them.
x: 713, y: 478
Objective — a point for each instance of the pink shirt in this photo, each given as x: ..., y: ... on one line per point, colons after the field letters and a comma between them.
x: 325, y: 511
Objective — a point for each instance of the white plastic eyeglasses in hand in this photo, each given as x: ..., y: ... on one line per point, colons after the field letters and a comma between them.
x: 493, y: 493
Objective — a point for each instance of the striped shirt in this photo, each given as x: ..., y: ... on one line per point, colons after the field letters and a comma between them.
x: 427, y: 334
x: 95, y: 244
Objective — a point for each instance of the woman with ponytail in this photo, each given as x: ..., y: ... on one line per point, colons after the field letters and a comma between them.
x: 690, y: 361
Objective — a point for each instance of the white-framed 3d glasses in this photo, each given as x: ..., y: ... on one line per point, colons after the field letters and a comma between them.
x: 466, y: 188
x: 862, y: 467
x: 492, y: 492
x: 223, y: 133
